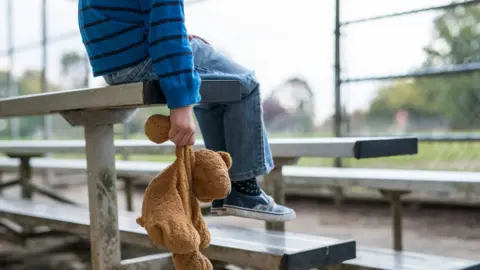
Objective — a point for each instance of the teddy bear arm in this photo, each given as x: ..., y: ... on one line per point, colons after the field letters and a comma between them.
x: 174, y: 232
x: 202, y: 229
x: 199, y: 223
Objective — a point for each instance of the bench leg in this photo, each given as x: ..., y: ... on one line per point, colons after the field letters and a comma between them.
x: 25, y: 173
x: 48, y: 175
x: 102, y: 196
x: 337, y: 195
x: 1, y: 182
x: 396, y: 211
x: 128, y: 182
x: 26, y: 178
x: 275, y: 186
x: 104, y: 234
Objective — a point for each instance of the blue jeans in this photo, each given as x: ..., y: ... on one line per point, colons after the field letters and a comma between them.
x: 236, y: 128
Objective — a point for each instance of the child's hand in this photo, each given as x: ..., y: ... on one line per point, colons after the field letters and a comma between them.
x: 182, y: 126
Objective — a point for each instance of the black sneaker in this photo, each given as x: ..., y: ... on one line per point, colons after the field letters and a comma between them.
x: 261, y: 207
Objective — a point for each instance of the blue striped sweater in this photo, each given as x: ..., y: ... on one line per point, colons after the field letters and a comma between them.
x: 119, y: 34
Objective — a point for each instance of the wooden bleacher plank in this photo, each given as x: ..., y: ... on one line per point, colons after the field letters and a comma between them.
x: 281, y: 148
x: 241, y: 246
x: 131, y: 95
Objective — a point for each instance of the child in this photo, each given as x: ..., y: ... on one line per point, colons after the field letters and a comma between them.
x: 135, y: 40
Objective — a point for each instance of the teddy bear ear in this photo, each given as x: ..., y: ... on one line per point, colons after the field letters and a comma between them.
x: 226, y: 158
x: 157, y: 127
x: 140, y: 221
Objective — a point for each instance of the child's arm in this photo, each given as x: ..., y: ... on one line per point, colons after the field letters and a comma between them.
x: 171, y: 53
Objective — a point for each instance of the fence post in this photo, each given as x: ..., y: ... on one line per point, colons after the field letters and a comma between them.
x: 337, y: 121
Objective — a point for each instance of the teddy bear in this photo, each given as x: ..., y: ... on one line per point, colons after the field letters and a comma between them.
x: 171, y: 212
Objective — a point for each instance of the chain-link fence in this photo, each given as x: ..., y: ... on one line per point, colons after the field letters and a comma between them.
x: 438, y: 93
x: 412, y: 71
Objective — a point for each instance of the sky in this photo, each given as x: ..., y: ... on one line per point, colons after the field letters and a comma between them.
x: 278, y: 39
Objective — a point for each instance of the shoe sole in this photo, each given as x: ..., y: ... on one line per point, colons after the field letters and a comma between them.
x: 260, y: 215
x: 217, y: 212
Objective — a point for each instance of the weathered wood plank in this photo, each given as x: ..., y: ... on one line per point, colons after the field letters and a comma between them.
x: 131, y: 95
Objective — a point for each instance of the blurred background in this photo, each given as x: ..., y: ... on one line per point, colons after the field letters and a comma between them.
x: 417, y: 72
x: 380, y: 81
x: 327, y: 69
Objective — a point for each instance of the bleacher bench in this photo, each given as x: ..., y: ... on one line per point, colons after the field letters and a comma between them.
x: 285, y: 151
x: 240, y: 246
x: 393, y: 184
x: 367, y: 258
x: 345, y: 147
x: 97, y: 110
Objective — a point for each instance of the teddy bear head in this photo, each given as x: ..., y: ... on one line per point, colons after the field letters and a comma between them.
x: 210, y: 176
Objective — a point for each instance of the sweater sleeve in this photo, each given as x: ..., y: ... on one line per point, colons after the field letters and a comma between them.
x: 171, y: 53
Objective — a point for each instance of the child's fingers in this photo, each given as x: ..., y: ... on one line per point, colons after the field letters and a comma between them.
x: 172, y: 133
x: 191, y: 141
x: 185, y: 139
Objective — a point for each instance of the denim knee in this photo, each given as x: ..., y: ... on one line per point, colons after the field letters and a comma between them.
x: 250, y: 83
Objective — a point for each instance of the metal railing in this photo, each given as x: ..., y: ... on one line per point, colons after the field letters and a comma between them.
x: 450, y: 71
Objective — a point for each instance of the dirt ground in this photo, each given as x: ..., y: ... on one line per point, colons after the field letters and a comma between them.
x: 432, y: 230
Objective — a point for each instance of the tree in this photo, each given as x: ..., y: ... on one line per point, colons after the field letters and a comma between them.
x: 75, y: 70
x: 456, y: 40
x: 401, y: 95
x: 456, y: 98
x: 31, y: 83
x: 3, y: 83
x: 74, y: 74
x: 3, y: 93
x: 28, y: 83
x: 456, y: 37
